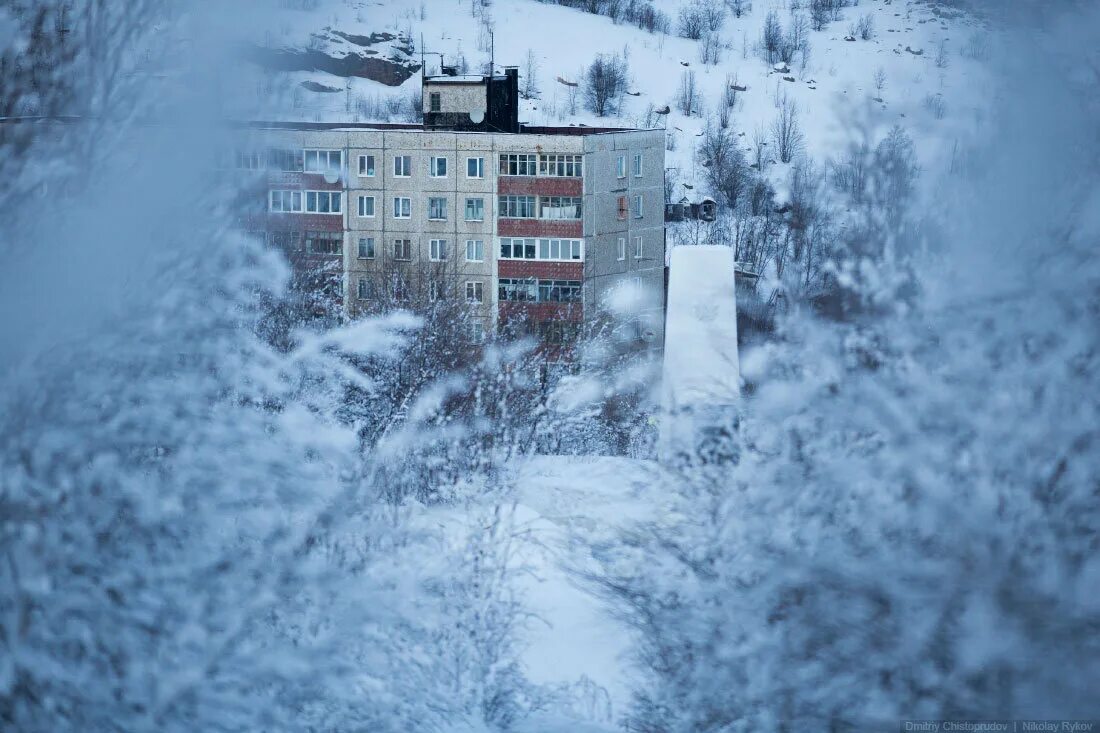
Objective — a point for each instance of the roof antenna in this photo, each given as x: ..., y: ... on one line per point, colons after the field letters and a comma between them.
x: 422, y: 68
x: 492, y: 52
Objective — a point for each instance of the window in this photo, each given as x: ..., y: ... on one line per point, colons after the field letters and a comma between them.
x: 434, y: 102
x: 517, y: 249
x: 324, y: 243
x: 558, y: 332
x: 637, y: 165
x: 541, y: 249
x: 474, y: 291
x: 475, y: 167
x: 285, y: 160
x: 437, y: 208
x: 365, y: 289
x: 475, y: 209
x: 366, y: 206
x: 523, y: 290
x: 620, y: 166
x: 323, y: 202
x: 518, y: 164
x: 436, y: 290
x: 475, y: 331
x: 559, y: 291
x: 638, y: 206
x: 622, y: 208
x: 622, y: 248
x: 560, y: 165
x: 637, y: 248
x: 517, y: 207
x: 475, y: 250
x: 399, y: 288
x: 366, y: 248
x: 402, y: 166
x: 286, y: 201
x: 289, y: 241
x: 246, y: 160
x: 437, y: 167
x: 322, y: 161
x: 366, y: 165
x: 559, y: 207
x: 559, y: 249
x: 437, y: 250
x: 402, y: 207
x: 402, y: 249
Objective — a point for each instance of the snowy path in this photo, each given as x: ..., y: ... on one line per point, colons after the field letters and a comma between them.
x: 567, y: 502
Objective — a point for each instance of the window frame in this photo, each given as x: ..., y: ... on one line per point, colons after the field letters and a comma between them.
x: 296, y: 200
x: 478, y: 250
x: 366, y: 166
x: 405, y: 245
x: 480, y: 166
x: 365, y: 244
x: 432, y: 201
x: 406, y: 166
x: 513, y: 164
x: 622, y: 249
x: 506, y: 203
x: 436, y: 162
x: 638, y: 244
x: 437, y: 250
x: 636, y: 165
x: 361, y: 208
x: 364, y: 289
x: 435, y: 102
x: 534, y: 247
x: 620, y: 166
x: 331, y: 196
x: 637, y: 212
x: 561, y: 165
x: 331, y: 237
x: 560, y: 200
x: 397, y: 208
x: 478, y: 290
x: 328, y: 153
x: 481, y: 208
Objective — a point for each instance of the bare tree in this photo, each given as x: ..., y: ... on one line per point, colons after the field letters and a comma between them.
x: 866, y: 27
x: 687, y: 95
x: 880, y: 80
x: 771, y: 38
x: 786, y: 132
x: 739, y: 7
x: 710, y: 48
x: 941, y: 55
x: 530, y: 76
x: 724, y: 163
x: 690, y: 22
x: 604, y: 83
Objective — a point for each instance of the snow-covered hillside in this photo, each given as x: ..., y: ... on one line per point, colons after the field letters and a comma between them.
x: 921, y: 68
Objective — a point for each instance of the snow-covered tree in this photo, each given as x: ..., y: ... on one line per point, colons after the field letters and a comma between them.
x: 912, y: 529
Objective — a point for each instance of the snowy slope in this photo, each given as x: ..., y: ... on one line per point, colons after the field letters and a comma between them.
x: 835, y: 90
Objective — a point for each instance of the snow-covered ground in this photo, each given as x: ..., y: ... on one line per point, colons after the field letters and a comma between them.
x: 568, y: 503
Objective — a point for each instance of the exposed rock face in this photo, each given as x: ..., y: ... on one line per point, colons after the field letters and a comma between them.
x: 364, y: 61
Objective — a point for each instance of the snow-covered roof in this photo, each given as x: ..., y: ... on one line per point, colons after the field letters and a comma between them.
x: 458, y: 79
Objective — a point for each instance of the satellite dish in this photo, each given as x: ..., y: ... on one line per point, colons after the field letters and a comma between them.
x: 332, y: 176
x: 477, y: 116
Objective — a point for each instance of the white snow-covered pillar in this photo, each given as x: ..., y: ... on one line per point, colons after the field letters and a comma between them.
x: 701, y: 380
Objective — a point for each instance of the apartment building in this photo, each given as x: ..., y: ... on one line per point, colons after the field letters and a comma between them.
x: 532, y: 229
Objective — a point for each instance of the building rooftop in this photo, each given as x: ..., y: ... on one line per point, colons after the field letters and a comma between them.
x: 409, y: 126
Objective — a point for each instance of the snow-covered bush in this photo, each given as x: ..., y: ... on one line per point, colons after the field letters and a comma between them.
x: 911, y: 532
